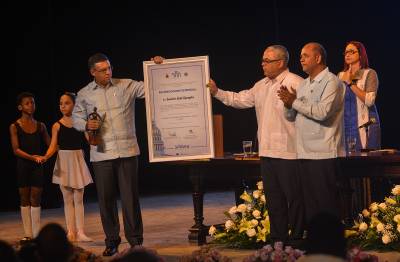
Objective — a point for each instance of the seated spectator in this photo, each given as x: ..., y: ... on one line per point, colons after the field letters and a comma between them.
x: 51, y: 244
x: 137, y: 253
x: 7, y: 252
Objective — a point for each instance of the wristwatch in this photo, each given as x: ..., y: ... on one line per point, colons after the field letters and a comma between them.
x: 353, y: 82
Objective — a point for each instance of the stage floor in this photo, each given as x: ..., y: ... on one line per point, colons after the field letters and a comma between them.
x: 166, y: 220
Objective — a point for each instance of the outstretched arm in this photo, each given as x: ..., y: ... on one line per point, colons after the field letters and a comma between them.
x: 243, y: 99
x: 54, y: 141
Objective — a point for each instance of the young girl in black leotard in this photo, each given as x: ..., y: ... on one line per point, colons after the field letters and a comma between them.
x: 70, y: 170
x: 27, y: 138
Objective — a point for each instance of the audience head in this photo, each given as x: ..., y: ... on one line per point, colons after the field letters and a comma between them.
x: 325, y: 235
x: 52, y: 243
x: 7, y: 252
x: 137, y: 253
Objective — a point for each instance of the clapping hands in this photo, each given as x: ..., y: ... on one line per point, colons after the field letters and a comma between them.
x: 286, y: 96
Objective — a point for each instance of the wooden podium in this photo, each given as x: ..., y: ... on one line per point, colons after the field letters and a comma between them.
x: 218, y: 136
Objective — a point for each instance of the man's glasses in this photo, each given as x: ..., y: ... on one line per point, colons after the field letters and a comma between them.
x: 268, y: 61
x: 350, y: 52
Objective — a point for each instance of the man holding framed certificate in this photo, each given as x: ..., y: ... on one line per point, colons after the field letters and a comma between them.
x: 114, y: 152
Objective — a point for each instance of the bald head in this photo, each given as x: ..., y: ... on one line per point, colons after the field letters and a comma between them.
x: 313, y: 59
x: 318, y: 49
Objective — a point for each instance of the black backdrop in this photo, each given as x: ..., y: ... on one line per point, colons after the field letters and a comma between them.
x: 53, y: 40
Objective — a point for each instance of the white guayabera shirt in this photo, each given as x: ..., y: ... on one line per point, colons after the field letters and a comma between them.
x: 276, y: 135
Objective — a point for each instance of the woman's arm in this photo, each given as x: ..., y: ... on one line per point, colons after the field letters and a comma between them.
x: 54, y: 141
x: 371, y: 87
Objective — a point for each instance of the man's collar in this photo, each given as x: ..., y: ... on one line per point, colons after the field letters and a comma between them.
x: 279, y: 78
x: 94, y: 85
x: 320, y: 75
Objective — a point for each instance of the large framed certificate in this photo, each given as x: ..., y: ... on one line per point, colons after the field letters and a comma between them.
x: 178, y: 109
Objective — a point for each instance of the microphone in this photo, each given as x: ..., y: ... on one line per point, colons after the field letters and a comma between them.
x: 368, y: 123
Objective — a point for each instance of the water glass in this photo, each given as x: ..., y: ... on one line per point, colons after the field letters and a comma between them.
x: 351, y: 145
x: 247, y: 146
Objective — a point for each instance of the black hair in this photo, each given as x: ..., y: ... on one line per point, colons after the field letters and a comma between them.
x: 71, y: 95
x: 96, y: 58
x: 23, y: 95
x: 52, y: 243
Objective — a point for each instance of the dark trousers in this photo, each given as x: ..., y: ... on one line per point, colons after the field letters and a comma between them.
x: 282, y: 189
x: 109, y: 176
x: 319, y: 183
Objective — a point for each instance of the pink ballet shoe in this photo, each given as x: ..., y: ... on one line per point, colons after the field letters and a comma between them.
x: 71, y: 237
x: 81, y: 237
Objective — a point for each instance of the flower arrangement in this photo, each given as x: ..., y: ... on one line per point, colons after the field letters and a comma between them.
x: 357, y: 255
x: 276, y: 253
x: 205, y: 253
x: 248, y: 224
x: 378, y: 227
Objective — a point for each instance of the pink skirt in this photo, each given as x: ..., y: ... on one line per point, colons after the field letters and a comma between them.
x: 70, y: 169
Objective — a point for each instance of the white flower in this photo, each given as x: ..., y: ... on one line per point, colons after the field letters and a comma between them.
x: 380, y: 227
x: 382, y: 205
x: 233, y: 210
x: 398, y: 227
x: 397, y: 219
x: 212, y: 230
x: 249, y: 207
x: 229, y: 224
x: 363, y: 226
x: 251, y: 232
x: 256, y: 194
x: 263, y: 199
x: 254, y: 222
x: 260, y: 185
x: 242, y: 208
x: 390, y: 201
x: 365, y: 213
x: 386, y: 239
x: 396, y: 190
x: 373, y: 207
x: 256, y: 214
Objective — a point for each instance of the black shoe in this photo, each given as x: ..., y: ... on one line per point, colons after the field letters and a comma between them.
x: 25, y: 241
x: 109, y: 251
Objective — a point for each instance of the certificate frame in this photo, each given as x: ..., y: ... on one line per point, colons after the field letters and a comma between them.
x: 178, y: 109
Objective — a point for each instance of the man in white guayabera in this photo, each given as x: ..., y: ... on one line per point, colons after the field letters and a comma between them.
x: 277, y: 143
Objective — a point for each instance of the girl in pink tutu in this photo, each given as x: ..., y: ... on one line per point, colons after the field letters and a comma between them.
x: 70, y: 170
